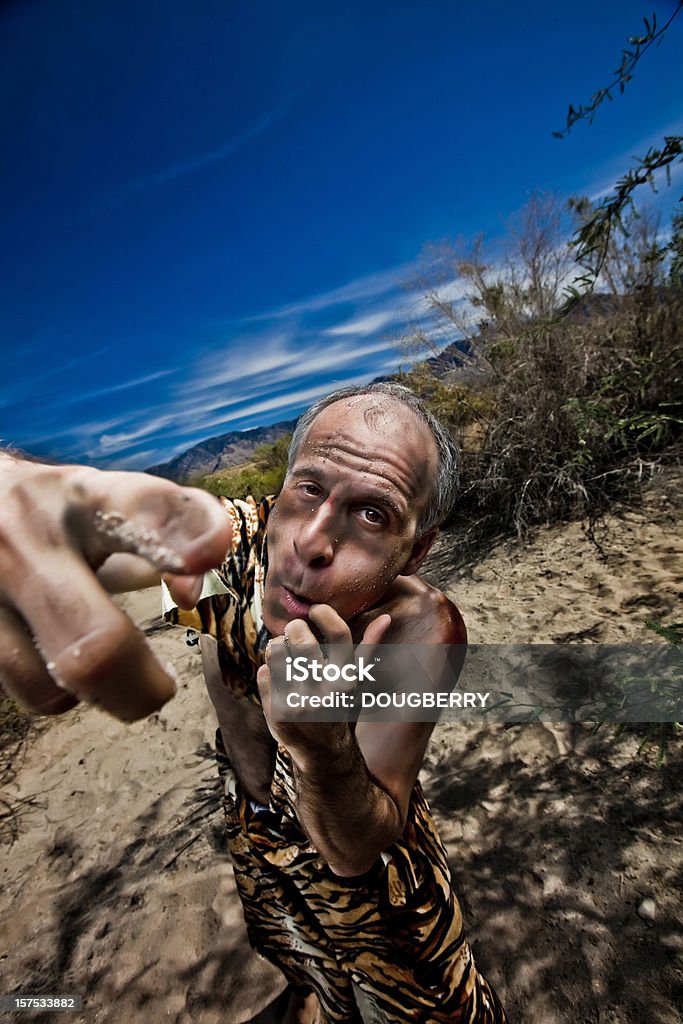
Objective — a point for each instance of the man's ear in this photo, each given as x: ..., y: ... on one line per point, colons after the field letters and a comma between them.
x: 420, y: 551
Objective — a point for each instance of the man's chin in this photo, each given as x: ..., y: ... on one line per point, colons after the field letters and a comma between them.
x: 274, y: 622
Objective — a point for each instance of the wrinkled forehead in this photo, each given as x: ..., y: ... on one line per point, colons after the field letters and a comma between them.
x: 377, y: 427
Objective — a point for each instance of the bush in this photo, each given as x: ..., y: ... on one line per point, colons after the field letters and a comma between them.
x: 568, y: 410
x: 263, y: 476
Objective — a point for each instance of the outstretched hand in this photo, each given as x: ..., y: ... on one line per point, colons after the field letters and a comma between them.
x: 62, y: 639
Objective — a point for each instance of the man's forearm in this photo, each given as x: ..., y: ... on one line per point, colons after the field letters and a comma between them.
x: 348, y: 816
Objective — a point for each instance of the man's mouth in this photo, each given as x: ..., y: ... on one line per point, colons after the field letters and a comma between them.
x: 295, y: 605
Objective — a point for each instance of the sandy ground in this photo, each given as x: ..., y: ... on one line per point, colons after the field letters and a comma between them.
x: 118, y: 887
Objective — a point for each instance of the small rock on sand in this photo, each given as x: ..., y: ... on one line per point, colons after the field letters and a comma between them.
x: 647, y: 909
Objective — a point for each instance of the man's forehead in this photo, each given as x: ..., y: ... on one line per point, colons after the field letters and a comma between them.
x: 381, y: 415
x: 379, y: 435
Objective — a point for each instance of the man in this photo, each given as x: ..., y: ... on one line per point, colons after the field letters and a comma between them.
x: 343, y: 879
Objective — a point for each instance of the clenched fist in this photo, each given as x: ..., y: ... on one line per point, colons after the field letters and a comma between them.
x: 300, y: 735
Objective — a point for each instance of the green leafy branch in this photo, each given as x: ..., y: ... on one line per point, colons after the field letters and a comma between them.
x: 592, y: 240
x: 673, y: 633
x: 622, y: 75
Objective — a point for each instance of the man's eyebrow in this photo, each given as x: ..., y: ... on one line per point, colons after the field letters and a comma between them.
x: 373, y: 497
x: 303, y: 470
x: 385, y: 502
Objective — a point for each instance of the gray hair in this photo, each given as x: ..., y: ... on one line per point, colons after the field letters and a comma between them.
x: 445, y: 486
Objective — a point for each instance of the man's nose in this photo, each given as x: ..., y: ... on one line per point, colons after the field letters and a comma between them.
x: 315, y: 542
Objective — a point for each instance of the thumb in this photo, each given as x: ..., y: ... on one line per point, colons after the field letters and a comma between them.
x: 377, y: 629
x: 185, y: 590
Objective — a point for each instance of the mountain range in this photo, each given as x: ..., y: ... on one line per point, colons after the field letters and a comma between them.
x: 238, y: 446
x: 220, y: 452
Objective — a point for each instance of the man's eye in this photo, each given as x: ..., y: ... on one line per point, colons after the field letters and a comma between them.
x: 310, y: 490
x: 374, y: 516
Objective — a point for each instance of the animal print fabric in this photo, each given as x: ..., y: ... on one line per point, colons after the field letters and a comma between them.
x: 235, y: 619
x: 384, y: 948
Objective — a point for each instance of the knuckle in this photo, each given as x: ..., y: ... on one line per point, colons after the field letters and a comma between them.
x: 297, y: 625
x: 30, y: 522
x: 339, y: 635
x: 81, y: 484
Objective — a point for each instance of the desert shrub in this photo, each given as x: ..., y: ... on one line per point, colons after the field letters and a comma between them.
x: 264, y: 475
x: 456, y: 405
x: 16, y: 726
x: 570, y: 409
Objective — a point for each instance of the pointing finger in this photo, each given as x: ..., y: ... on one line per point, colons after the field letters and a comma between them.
x: 185, y: 590
x: 176, y: 529
x: 90, y: 647
x: 60, y: 523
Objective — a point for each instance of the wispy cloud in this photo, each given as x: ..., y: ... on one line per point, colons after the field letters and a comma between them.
x: 242, y: 356
x: 111, y: 389
x: 660, y: 179
x: 120, y: 195
x: 363, y: 325
x: 279, y: 380
x: 139, y: 460
x: 357, y: 291
x: 287, y: 401
x: 199, y: 161
x: 76, y: 435
x: 150, y: 427
x: 67, y: 366
x: 450, y: 293
x: 271, y: 368
x: 603, y: 183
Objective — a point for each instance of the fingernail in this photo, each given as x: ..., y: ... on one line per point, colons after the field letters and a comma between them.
x: 178, y: 588
x: 199, y: 548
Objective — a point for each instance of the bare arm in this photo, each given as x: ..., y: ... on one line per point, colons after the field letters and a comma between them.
x: 353, y: 789
x: 347, y: 813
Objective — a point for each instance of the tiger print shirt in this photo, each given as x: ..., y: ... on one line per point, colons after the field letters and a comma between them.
x: 387, y: 947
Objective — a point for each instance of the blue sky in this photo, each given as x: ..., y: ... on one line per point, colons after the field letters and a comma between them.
x: 210, y: 209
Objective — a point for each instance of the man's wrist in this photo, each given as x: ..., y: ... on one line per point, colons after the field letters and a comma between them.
x: 337, y: 758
